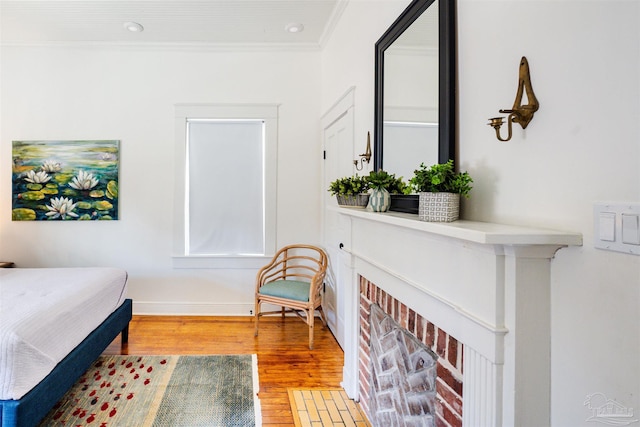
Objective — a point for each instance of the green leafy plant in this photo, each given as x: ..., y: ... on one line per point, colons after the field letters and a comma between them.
x: 382, y: 179
x: 441, y: 178
x: 349, y: 186
x: 399, y: 186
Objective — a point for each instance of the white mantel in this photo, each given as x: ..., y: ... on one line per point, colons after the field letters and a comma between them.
x: 488, y: 285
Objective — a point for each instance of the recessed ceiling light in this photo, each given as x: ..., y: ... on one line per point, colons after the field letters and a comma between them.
x: 134, y: 27
x: 294, y: 28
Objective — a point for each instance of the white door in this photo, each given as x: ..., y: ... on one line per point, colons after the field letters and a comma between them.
x: 338, y: 150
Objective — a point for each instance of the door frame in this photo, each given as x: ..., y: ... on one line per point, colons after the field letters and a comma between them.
x: 344, y: 270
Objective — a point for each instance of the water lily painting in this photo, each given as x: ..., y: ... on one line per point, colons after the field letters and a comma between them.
x: 65, y: 180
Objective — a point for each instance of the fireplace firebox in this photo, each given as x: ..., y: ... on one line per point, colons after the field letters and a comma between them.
x: 412, y: 367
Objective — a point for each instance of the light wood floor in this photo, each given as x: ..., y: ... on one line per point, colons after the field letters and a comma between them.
x: 284, y: 358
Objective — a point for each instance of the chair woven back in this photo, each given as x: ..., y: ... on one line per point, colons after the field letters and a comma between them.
x: 297, y: 262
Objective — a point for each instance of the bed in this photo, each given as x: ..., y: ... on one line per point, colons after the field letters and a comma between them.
x: 54, y: 322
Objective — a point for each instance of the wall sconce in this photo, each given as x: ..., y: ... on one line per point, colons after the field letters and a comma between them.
x: 366, y: 156
x: 521, y: 114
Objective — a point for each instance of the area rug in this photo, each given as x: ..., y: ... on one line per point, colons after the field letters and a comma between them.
x: 160, y: 391
x: 326, y: 407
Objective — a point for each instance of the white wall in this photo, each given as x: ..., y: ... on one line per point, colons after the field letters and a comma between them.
x: 581, y: 147
x: 129, y: 94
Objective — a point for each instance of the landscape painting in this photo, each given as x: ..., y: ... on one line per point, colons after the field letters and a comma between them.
x: 65, y: 180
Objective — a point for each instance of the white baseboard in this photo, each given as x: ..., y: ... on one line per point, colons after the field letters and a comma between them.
x: 191, y: 309
x: 152, y: 308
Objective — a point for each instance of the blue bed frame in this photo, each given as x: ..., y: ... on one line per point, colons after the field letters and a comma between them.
x: 33, y: 406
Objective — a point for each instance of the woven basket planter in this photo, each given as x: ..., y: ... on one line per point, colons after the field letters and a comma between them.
x: 353, y: 201
x: 438, y: 207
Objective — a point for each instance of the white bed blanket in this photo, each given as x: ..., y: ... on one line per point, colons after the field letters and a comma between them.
x: 45, y: 313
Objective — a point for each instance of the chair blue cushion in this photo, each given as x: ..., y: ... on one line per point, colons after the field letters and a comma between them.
x: 289, y: 289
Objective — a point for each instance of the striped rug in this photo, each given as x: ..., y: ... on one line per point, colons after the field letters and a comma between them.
x: 163, y: 391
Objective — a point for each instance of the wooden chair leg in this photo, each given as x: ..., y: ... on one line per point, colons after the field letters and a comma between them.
x: 257, y: 316
x: 310, y: 321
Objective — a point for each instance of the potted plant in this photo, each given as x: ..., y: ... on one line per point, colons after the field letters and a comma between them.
x: 439, y: 188
x: 382, y: 184
x: 350, y: 191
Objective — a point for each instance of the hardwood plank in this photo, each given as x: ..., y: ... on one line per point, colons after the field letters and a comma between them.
x: 284, y: 358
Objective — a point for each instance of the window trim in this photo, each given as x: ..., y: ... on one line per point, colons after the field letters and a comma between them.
x: 266, y: 112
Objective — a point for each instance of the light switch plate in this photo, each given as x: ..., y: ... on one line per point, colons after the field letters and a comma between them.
x: 607, y: 226
x: 616, y: 226
x: 631, y: 229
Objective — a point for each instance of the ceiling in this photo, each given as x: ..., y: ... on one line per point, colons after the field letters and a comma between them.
x: 171, y: 22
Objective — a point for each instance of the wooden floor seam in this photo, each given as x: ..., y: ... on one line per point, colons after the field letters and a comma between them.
x: 325, y: 407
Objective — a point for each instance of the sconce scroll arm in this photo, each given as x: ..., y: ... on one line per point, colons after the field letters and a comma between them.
x: 496, y: 122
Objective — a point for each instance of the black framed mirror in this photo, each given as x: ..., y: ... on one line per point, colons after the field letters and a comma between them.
x: 415, y: 89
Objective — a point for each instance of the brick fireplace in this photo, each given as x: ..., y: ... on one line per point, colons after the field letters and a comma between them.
x: 445, y: 410
x: 476, y: 294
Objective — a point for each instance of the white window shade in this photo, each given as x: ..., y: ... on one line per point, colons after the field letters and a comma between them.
x: 225, y: 187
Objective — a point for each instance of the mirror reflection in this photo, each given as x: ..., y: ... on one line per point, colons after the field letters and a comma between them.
x: 410, y: 108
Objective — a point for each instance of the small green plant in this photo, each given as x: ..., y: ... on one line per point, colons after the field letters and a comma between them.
x: 399, y: 187
x: 349, y: 186
x: 380, y: 179
x: 441, y: 178
x: 383, y: 179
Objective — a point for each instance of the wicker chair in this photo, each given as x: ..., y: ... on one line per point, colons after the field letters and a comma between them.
x: 293, y: 280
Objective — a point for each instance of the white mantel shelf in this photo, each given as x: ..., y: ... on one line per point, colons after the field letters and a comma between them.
x: 473, y: 231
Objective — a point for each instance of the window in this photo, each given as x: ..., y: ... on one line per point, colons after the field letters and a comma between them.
x: 225, y: 185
